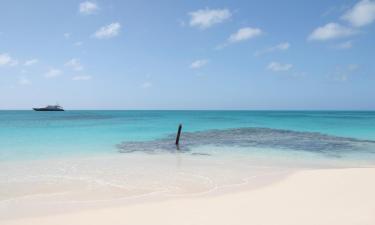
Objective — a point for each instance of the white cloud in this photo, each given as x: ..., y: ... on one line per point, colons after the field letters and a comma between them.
x: 277, y: 67
x: 146, y: 85
x: 7, y: 60
x: 344, y: 45
x: 51, y: 73
x: 205, y: 18
x: 23, y: 81
x: 280, y: 47
x: 352, y: 67
x: 82, y: 78
x: 31, y: 62
x: 108, y: 31
x: 198, y: 64
x: 245, y: 34
x: 78, y: 43
x: 331, y: 31
x: 67, y: 35
x: 335, y: 9
x: 362, y: 13
x: 88, y: 8
x: 75, y: 64
x: 344, y: 73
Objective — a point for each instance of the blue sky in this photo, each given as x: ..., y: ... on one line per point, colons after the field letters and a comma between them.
x: 187, y: 54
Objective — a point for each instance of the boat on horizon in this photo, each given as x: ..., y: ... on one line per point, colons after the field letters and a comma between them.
x: 50, y: 108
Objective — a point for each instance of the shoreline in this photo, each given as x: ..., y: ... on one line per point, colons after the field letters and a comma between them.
x: 317, y: 196
x: 64, y: 199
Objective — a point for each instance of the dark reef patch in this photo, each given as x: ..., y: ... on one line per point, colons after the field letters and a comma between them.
x: 254, y: 137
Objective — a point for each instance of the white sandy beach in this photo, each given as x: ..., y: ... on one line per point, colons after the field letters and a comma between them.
x: 194, y: 112
x: 325, y: 196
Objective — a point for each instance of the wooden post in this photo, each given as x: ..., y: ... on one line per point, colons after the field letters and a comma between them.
x: 178, y: 134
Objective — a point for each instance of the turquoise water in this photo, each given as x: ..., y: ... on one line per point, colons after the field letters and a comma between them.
x: 34, y: 135
x: 62, y: 160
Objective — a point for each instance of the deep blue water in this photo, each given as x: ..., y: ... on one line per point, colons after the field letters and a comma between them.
x: 29, y: 134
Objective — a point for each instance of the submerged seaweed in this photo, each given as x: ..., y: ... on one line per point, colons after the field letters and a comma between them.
x: 254, y: 137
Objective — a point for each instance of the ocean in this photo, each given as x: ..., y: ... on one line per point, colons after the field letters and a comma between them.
x: 77, y: 159
x: 37, y: 135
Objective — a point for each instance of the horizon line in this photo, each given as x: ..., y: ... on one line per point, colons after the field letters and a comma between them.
x: 197, y: 109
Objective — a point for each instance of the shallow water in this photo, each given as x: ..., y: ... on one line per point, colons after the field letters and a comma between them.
x: 66, y: 160
x: 243, y: 138
x: 36, y: 135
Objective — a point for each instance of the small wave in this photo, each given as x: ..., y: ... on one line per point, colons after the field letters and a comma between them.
x: 254, y: 137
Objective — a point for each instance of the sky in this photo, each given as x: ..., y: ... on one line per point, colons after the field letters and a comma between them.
x: 211, y: 54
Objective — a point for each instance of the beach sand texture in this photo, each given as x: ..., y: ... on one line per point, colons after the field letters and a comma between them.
x: 309, y: 197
